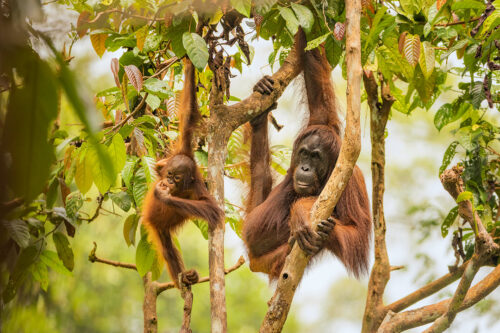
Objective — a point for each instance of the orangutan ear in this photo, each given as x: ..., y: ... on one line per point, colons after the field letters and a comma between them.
x: 159, y: 165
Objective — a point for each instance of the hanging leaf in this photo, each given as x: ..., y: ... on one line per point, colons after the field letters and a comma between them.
x: 73, y: 204
x: 117, y: 152
x: 149, y: 166
x: 81, y: 23
x: 64, y: 250
x: 242, y: 6
x: 18, y: 230
x: 427, y: 59
x: 449, y: 113
x: 139, y: 187
x: 83, y: 173
x: 141, y: 35
x: 465, y: 195
x: 448, y: 221
x: 448, y: 156
x: 122, y: 199
x: 477, y: 94
x: 41, y: 274
x: 292, y: 23
x: 203, y: 226
x: 305, y: 16
x: 23, y: 263
x: 51, y: 259
x: 339, y: 31
x: 316, y: 42
x: 144, y: 256
x: 440, y: 3
x: 411, y: 49
x: 130, y: 229
x: 128, y: 171
x: 134, y: 76
x: 196, y: 49
x: 103, y: 177
x: 99, y: 43
x: 115, y: 67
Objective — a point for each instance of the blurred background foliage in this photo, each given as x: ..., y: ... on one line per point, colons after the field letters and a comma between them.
x: 75, y: 169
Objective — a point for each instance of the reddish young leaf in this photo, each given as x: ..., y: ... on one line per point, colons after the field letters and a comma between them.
x: 115, y: 67
x: 168, y: 19
x: 134, y: 76
x: 402, y: 41
x: 81, y: 24
x: 339, y: 31
x: 440, y: 3
x: 368, y: 4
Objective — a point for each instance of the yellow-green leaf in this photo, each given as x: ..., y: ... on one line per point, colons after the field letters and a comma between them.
x: 83, y: 173
x: 98, y: 42
x: 427, y: 59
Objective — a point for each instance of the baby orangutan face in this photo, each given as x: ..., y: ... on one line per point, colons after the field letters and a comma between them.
x: 176, y: 174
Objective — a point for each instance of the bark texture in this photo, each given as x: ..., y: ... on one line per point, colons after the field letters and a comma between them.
x: 296, y: 261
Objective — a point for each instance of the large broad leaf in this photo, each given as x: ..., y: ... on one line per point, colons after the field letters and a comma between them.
x: 83, y: 172
x: 134, y: 76
x: 449, y: 113
x: 117, y: 152
x: 74, y: 202
x: 51, y: 259
x: 130, y: 229
x: 103, y: 177
x: 149, y: 166
x: 196, y: 49
x: 292, y: 23
x: 427, y: 59
x: 128, y: 171
x: 64, y: 250
x: 144, y: 256
x: 23, y: 263
x: 18, y: 231
x: 139, y: 187
x: 99, y: 43
x: 122, y: 199
x: 305, y: 16
x: 411, y: 49
x: 242, y: 6
x: 40, y: 273
x: 158, y: 87
x: 317, y: 41
x: 31, y: 110
x: 468, y: 4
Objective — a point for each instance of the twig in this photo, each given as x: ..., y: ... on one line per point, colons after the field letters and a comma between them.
x: 100, y: 201
x: 170, y: 285
x: 124, y: 121
x: 93, y: 258
x: 187, y: 296
x: 457, y: 22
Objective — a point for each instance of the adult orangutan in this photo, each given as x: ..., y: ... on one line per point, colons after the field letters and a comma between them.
x: 276, y: 216
x: 180, y: 193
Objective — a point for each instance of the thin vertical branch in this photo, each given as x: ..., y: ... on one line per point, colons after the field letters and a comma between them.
x: 149, y: 304
x: 187, y: 295
x: 380, y: 274
x: 296, y: 261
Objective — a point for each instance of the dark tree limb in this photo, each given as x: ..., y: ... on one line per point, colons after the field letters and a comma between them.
x: 187, y: 296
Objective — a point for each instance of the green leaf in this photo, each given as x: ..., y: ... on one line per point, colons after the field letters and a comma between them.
x: 448, y: 156
x: 196, y: 49
x: 30, y: 111
x: 158, y: 87
x: 40, y: 274
x: 477, y: 94
x: 292, y: 23
x: 128, y: 171
x: 52, y: 192
x: 122, y: 199
x: 449, y: 113
x: 144, y: 256
x: 117, y: 153
x: 448, y: 221
x: 305, y: 16
x: 465, y: 195
x: 427, y: 59
x: 83, y: 173
x: 74, y: 202
x: 18, y: 230
x: 317, y: 41
x: 457, y: 46
x: 203, y: 226
x: 51, y: 259
x: 468, y: 4
x: 242, y: 6
x: 23, y: 263
x: 153, y: 101
x: 139, y: 187
x: 130, y: 229
x: 491, y: 22
x: 149, y: 166
x: 103, y: 176
x: 64, y: 250
x: 333, y: 50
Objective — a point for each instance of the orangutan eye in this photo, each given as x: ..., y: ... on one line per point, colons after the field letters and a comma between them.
x: 177, y: 178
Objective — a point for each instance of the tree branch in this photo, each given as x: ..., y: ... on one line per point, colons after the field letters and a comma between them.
x: 93, y: 258
x: 169, y: 285
x: 426, y: 290
x: 409, y: 319
x: 297, y: 260
x: 381, y: 270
